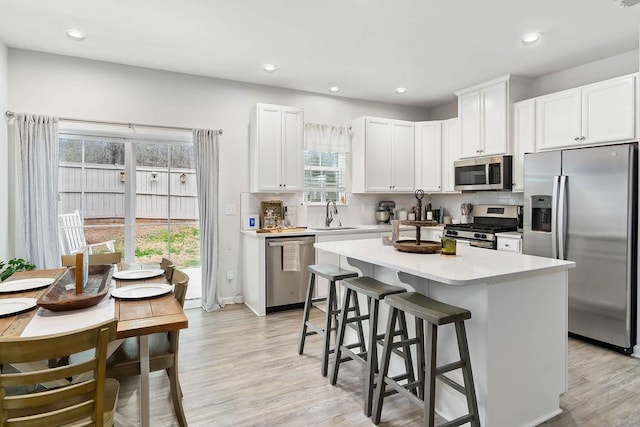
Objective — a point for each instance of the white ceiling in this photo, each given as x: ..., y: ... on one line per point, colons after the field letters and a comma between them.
x: 367, y: 47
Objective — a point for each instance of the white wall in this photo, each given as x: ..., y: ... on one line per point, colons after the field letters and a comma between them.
x: 5, y: 253
x: 76, y: 88
x: 614, y: 66
x: 618, y: 65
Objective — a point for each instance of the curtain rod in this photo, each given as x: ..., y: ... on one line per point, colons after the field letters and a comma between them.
x: 11, y: 114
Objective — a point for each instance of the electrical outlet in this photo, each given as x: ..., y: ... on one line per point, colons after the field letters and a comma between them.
x: 231, y: 275
x: 230, y: 209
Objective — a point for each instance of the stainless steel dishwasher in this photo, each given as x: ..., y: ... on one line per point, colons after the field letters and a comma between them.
x: 286, y: 289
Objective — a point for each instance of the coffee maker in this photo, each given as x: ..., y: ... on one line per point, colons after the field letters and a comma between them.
x: 384, y: 212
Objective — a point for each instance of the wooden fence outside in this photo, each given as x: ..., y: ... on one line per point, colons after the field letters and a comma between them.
x: 105, y: 191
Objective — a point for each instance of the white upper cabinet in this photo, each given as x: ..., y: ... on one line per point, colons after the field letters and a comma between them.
x: 382, y: 155
x: 428, y: 148
x: 524, y: 141
x: 275, y: 149
x: 594, y: 114
x: 483, y: 112
x: 450, y: 150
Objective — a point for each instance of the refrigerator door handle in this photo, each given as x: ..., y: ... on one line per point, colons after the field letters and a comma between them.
x: 562, y: 217
x: 554, y: 217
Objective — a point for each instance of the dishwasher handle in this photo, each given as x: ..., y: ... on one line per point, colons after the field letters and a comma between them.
x: 299, y: 242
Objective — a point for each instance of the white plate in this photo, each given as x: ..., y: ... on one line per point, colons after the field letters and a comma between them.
x: 25, y: 284
x: 9, y: 306
x: 138, y: 274
x: 147, y: 290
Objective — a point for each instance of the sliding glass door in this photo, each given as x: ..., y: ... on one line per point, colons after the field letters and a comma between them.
x: 142, y: 194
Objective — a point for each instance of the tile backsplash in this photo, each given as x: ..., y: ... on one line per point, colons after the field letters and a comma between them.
x: 361, y: 208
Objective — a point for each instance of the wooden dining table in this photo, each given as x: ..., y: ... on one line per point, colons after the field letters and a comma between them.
x: 136, y: 318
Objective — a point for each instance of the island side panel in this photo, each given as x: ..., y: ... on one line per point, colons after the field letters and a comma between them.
x: 527, y: 348
x: 517, y: 339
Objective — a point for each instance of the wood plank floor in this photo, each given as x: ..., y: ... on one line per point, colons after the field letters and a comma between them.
x: 238, y: 369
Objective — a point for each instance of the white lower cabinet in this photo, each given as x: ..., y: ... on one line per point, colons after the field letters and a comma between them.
x: 509, y: 244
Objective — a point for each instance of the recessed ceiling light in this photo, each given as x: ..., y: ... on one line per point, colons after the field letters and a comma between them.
x: 75, y: 34
x: 269, y: 68
x: 401, y: 90
x: 334, y: 89
x: 531, y: 38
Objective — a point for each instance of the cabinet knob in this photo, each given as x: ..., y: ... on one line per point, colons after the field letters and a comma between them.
x: 583, y: 138
x: 577, y: 138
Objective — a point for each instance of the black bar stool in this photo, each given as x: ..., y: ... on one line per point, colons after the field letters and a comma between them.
x: 375, y: 291
x: 333, y: 274
x: 435, y: 313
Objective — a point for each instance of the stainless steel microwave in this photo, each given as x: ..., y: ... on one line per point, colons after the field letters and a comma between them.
x: 483, y: 173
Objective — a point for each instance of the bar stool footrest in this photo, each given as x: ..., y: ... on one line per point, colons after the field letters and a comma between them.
x: 458, y: 421
x: 450, y: 367
x: 451, y: 383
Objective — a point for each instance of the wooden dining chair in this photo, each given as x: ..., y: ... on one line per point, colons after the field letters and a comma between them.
x: 168, y: 266
x: 94, y: 259
x: 88, y: 401
x: 163, y: 353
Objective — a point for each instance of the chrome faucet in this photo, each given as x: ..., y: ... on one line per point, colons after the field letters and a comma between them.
x: 329, y: 216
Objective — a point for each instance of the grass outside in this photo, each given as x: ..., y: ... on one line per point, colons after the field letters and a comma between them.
x: 152, y: 242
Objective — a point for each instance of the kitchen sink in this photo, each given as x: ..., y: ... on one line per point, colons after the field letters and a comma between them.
x: 338, y: 227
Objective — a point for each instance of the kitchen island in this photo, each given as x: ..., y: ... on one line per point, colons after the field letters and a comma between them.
x: 517, y: 333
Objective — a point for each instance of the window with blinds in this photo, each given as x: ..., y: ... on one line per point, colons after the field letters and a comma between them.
x: 325, y: 177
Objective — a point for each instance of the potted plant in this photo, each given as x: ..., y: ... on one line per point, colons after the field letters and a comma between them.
x: 16, y: 264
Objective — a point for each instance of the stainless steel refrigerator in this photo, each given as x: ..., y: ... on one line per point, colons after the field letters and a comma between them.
x: 581, y: 205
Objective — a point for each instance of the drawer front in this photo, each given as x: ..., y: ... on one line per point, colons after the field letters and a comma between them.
x: 509, y: 245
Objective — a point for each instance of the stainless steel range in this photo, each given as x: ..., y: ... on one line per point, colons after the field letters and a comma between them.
x: 487, y: 221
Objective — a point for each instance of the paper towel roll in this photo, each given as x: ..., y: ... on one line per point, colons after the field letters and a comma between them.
x: 301, y: 215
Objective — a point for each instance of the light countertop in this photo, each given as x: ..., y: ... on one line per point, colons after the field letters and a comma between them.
x: 471, y: 265
x: 349, y: 229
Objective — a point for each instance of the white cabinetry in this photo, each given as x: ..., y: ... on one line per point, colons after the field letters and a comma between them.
x: 509, y: 243
x: 428, y: 156
x: 450, y: 150
x: 275, y: 149
x: 524, y: 141
x: 483, y: 111
x: 382, y: 155
x: 594, y: 114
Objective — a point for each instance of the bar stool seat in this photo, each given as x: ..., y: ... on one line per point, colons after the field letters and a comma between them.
x: 435, y: 313
x: 375, y: 291
x: 333, y: 274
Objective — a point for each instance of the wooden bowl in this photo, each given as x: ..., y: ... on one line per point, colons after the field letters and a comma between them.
x: 425, y: 246
x: 59, y: 298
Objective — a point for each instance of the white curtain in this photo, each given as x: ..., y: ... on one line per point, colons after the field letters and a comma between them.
x: 37, y: 145
x: 205, y: 143
x: 327, y: 138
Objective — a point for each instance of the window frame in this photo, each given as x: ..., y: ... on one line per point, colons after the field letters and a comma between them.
x: 341, y: 190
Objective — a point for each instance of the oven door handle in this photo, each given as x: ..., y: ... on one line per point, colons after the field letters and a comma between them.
x: 481, y: 244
